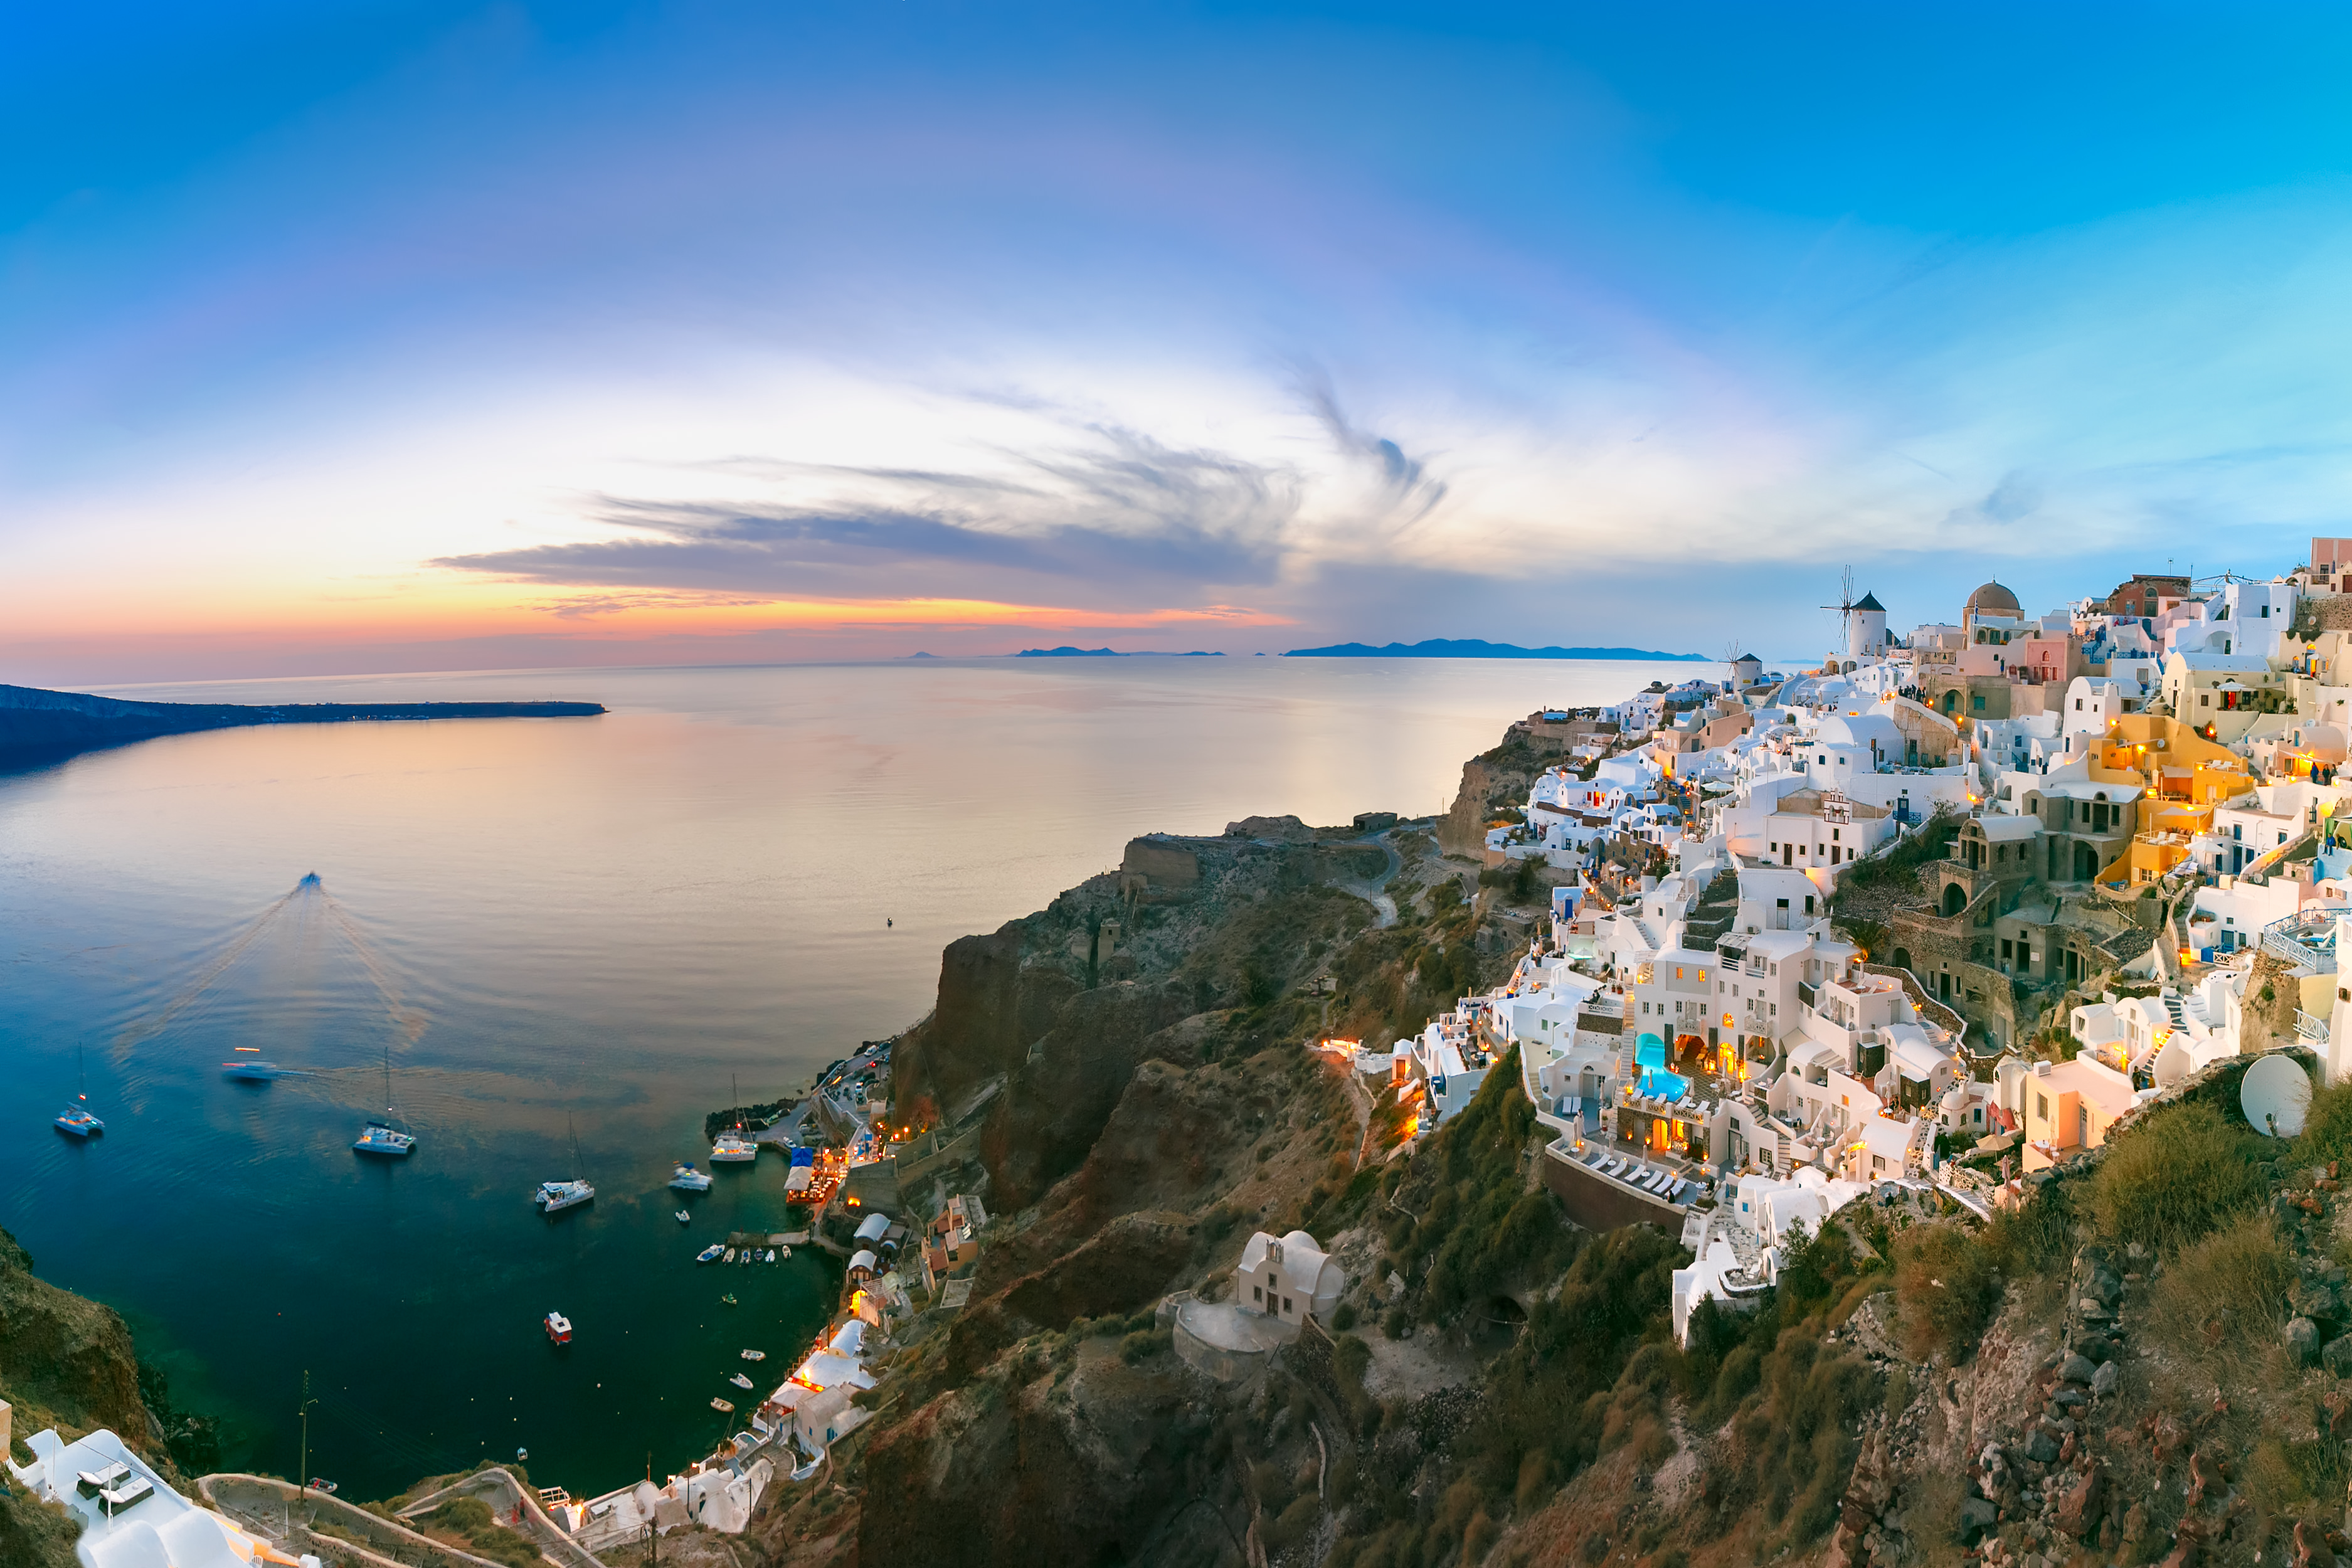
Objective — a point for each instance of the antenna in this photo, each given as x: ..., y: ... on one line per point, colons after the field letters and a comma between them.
x: 303, y: 1470
x: 2274, y: 1095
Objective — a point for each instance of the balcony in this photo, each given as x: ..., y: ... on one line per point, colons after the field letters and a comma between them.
x: 2304, y: 942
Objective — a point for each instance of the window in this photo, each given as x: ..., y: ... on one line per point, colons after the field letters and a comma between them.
x: 2006, y: 954
x: 1977, y: 703
x: 2204, y: 700
x: 1285, y: 1305
x: 2041, y: 1108
x: 1257, y: 1294
x: 1809, y: 903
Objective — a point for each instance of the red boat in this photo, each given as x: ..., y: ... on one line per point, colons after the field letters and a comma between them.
x: 559, y: 1328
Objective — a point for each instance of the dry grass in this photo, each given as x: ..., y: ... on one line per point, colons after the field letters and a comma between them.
x: 2224, y: 1296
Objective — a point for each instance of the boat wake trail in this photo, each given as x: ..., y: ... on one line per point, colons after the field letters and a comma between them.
x: 313, y: 908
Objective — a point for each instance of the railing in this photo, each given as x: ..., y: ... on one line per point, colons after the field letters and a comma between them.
x: 2307, y: 1027
x: 2298, y: 941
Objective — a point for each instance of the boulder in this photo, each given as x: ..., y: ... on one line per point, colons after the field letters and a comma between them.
x: 2103, y: 1381
x: 2310, y: 1298
x: 2302, y: 1338
x: 1977, y: 1516
x: 2078, y: 1369
x: 2079, y: 1507
x: 2042, y: 1448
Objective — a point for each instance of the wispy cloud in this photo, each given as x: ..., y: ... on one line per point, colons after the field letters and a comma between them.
x: 1123, y: 518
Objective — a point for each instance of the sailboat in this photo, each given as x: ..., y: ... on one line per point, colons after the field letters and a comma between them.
x: 75, y: 1118
x: 555, y: 1197
x: 732, y: 1147
x: 381, y: 1137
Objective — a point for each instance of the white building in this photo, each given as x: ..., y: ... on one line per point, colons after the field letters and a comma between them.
x: 1288, y: 1278
x: 128, y: 1517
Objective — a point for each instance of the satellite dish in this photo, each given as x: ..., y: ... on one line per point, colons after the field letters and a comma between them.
x: 2172, y: 1064
x: 2275, y: 1094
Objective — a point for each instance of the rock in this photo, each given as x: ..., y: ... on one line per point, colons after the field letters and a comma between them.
x: 2338, y: 1356
x: 2070, y: 1397
x: 2040, y: 1447
x: 2302, y: 1339
x: 2310, y: 1298
x: 2077, y: 1369
x: 2078, y: 1510
x: 1977, y: 1516
x: 2103, y: 1380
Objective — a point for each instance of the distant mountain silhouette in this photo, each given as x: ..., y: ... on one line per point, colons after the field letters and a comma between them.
x: 1066, y: 651
x: 1475, y: 648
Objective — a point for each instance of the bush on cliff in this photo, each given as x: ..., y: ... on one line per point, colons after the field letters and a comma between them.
x: 1945, y: 1291
x: 2178, y: 1176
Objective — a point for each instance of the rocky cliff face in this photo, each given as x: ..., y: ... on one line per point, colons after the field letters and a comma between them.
x: 64, y: 1362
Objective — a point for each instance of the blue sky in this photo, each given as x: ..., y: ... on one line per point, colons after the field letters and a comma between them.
x: 382, y: 336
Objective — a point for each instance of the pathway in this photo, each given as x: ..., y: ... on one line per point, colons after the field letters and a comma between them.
x: 1373, y: 892
x: 505, y: 1495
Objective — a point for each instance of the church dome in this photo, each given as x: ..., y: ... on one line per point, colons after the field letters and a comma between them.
x: 1992, y: 599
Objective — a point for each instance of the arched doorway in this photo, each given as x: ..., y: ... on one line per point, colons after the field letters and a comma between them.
x: 1902, y: 958
x: 1956, y: 899
x: 2086, y: 863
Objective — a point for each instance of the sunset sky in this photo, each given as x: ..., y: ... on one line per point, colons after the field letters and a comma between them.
x: 351, y: 337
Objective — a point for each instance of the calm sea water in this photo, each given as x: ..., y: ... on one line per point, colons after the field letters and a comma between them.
x: 560, y: 929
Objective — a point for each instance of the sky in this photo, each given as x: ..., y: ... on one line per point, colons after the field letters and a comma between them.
x: 351, y: 337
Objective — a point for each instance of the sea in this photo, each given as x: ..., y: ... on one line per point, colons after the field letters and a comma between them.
x: 552, y: 946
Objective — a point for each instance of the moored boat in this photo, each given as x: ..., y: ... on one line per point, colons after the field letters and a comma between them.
x: 687, y: 1179
x: 710, y: 1254
x: 755, y: 1355
x: 739, y: 1381
x: 559, y: 1328
x: 75, y: 1118
x: 383, y: 1136
x: 555, y: 1197
x: 723, y: 1406
x: 683, y: 1217
x: 733, y: 1149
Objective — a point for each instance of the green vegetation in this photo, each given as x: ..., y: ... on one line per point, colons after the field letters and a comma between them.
x: 2183, y: 1172
x: 1898, y: 866
x: 1945, y: 1287
x: 468, y: 1524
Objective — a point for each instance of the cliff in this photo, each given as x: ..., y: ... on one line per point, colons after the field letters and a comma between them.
x: 67, y: 1362
x: 2147, y: 1358
x: 36, y: 724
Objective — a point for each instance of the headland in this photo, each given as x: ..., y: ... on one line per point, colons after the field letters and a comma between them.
x: 37, y: 725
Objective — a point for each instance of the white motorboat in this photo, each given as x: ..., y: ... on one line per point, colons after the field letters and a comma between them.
x: 739, y: 1381
x: 710, y: 1254
x: 755, y: 1355
x: 687, y: 1179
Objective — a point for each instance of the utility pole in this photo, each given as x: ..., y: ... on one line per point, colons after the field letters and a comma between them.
x: 303, y: 1470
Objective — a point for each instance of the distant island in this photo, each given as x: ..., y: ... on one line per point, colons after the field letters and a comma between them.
x: 36, y: 724
x: 1474, y: 647
x: 1066, y: 651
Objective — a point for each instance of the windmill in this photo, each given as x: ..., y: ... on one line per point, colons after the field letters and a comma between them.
x: 1844, y: 606
x: 1731, y: 651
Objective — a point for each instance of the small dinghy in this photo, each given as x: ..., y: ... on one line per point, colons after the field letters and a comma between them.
x: 728, y: 1256
x: 723, y: 1406
x: 728, y: 1300
x: 755, y: 1355
x: 683, y: 1217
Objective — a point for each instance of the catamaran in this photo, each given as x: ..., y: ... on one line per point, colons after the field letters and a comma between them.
x: 555, y: 1197
x: 75, y: 1118
x: 381, y: 1137
x: 733, y: 1147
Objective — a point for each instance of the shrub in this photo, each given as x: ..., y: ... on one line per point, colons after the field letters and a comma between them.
x: 2326, y: 1127
x: 1143, y: 1343
x: 2181, y: 1174
x: 1343, y: 1317
x: 2230, y: 1287
x: 1946, y: 1290
x: 1295, y: 1523
x: 1396, y: 1322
